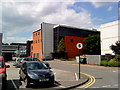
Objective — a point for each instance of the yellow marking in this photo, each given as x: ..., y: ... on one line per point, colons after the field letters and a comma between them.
x: 92, y: 81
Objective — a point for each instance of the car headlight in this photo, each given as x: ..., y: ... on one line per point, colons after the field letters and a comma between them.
x: 33, y: 75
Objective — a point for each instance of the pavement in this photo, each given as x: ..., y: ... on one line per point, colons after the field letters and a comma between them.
x: 64, y: 79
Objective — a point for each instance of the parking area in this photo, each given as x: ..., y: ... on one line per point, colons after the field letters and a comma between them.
x: 63, y: 79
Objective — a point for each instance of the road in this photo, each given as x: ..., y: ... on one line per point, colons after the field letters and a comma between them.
x: 63, y: 78
x: 104, y: 77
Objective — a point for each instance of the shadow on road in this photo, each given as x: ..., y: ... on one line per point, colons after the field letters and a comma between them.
x: 16, y: 84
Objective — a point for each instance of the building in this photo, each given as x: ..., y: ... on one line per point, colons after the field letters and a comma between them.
x: 72, y: 36
x: 109, y: 35
x: 36, y: 46
x: 13, y: 50
x: 46, y: 39
x: 28, y: 48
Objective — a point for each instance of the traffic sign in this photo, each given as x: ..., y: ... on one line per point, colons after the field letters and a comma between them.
x: 79, y: 45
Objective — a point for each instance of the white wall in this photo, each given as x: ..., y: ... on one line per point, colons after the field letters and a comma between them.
x: 47, y: 38
x: 109, y: 35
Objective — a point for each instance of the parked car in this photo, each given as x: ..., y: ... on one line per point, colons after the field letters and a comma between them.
x: 19, y: 61
x: 36, y: 73
x: 3, y: 75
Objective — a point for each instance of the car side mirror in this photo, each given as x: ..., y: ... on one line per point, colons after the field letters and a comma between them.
x: 7, y: 66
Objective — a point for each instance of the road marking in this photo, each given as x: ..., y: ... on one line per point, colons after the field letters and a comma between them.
x: 54, y: 73
x: 14, y: 84
x: 76, y: 77
x: 114, y: 71
x: 92, y: 81
x: 106, y: 86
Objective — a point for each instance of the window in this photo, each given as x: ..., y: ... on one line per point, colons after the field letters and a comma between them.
x: 37, y: 55
x: 71, y: 40
x: 38, y: 33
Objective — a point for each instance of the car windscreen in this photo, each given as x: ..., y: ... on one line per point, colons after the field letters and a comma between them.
x: 35, y: 66
x: 1, y: 64
x: 31, y: 59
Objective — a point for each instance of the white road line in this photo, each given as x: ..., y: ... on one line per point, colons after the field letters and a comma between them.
x: 54, y: 73
x: 76, y: 77
x: 94, y: 87
x: 14, y: 84
x: 106, y: 86
x: 114, y: 71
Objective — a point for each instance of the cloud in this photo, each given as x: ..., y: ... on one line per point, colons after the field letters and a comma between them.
x: 15, y: 39
x: 19, y: 17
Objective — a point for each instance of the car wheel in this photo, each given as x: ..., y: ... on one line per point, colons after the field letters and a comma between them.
x: 27, y: 83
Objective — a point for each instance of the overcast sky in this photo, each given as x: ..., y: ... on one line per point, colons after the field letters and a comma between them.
x: 20, y: 19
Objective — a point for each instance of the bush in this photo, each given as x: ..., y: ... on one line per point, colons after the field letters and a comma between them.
x: 117, y: 57
x: 113, y: 63
x: 104, y: 63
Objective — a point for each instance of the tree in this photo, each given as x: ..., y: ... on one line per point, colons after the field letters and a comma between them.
x: 92, y: 45
x: 61, y: 46
x: 116, y: 48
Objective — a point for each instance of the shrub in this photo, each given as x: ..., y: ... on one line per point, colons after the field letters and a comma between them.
x: 117, y: 57
x: 113, y: 63
x: 104, y: 63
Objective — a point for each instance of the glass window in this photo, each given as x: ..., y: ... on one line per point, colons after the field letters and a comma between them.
x: 38, y: 33
x: 71, y: 40
x: 34, y: 66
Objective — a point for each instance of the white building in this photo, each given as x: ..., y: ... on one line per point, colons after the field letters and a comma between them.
x: 109, y: 35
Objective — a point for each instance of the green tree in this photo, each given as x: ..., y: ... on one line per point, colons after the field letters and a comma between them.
x: 92, y: 45
x: 61, y: 46
x: 116, y: 48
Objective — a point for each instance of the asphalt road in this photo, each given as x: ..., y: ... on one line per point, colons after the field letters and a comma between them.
x: 63, y: 78
x: 104, y: 77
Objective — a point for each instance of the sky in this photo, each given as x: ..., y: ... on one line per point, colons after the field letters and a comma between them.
x: 20, y: 18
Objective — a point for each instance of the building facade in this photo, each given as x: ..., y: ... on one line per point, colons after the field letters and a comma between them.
x: 46, y: 42
x: 13, y: 50
x: 72, y: 36
x: 36, y: 46
x: 109, y: 35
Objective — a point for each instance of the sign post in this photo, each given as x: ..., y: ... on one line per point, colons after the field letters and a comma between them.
x: 79, y: 47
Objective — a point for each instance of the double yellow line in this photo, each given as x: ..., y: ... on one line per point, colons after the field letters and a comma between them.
x: 91, y: 81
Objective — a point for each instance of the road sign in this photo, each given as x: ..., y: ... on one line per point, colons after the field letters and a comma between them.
x: 79, y: 45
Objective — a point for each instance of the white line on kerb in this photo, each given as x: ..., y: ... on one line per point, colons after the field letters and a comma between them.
x: 14, y: 84
x: 76, y: 77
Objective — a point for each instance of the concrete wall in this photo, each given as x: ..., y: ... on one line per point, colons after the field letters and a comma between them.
x: 47, y: 38
x: 109, y: 35
x: 93, y: 59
